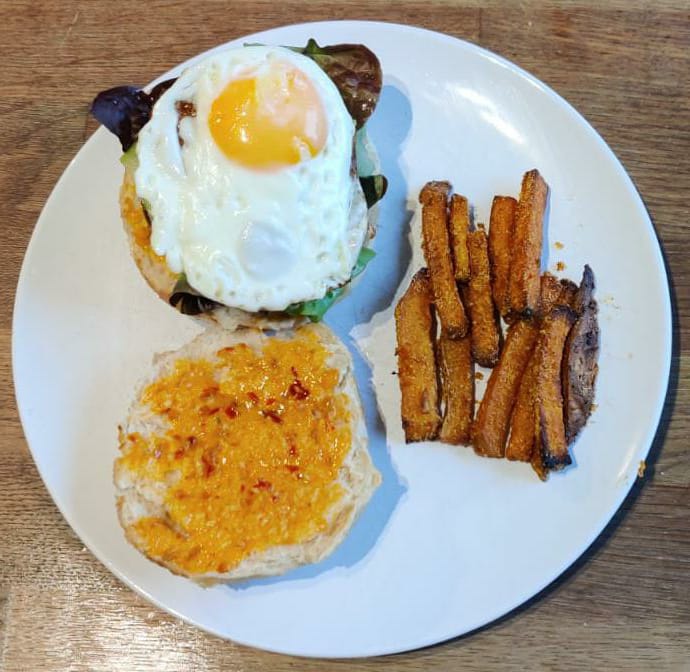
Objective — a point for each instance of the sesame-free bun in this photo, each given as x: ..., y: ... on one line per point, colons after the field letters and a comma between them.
x: 140, y: 497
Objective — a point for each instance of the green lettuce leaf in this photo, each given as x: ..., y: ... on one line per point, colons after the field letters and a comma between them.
x: 316, y: 309
x: 130, y: 159
x: 374, y: 188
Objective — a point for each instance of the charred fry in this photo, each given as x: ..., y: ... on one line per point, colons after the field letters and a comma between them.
x: 457, y: 388
x: 415, y: 329
x: 580, y: 368
x: 436, y: 246
x: 527, y: 244
x: 486, y: 334
x: 501, y: 225
x: 459, y: 227
x: 490, y: 427
x: 551, y: 441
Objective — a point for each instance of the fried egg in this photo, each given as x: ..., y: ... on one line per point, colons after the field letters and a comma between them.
x: 246, y: 167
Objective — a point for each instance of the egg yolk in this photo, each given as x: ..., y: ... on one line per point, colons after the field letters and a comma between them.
x: 270, y: 120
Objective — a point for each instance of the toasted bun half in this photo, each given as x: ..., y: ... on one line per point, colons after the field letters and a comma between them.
x: 143, y: 498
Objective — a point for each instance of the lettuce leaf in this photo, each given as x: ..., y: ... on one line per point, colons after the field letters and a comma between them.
x: 125, y: 110
x: 316, y: 309
x: 374, y: 188
x: 130, y: 159
x: 355, y: 70
x: 187, y: 300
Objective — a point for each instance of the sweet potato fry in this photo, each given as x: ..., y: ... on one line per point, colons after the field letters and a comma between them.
x: 457, y: 388
x: 415, y: 328
x: 568, y: 295
x: 550, y: 291
x: 486, y: 334
x: 459, y: 227
x: 490, y: 427
x: 551, y: 440
x: 529, y: 221
x: 579, y: 371
x: 523, y: 420
x: 501, y: 227
x: 436, y: 246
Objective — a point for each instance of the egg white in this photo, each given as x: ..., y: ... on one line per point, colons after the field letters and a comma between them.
x: 252, y: 239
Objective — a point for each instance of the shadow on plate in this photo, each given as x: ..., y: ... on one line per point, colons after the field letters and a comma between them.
x: 387, y: 129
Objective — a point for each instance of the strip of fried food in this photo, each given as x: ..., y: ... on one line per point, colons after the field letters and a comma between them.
x: 486, y: 333
x: 568, y: 296
x: 527, y: 244
x: 501, y: 225
x: 523, y: 420
x: 436, y: 246
x: 550, y: 292
x: 459, y: 227
x: 457, y: 388
x: 551, y: 440
x: 415, y: 328
x: 490, y: 427
x: 580, y: 366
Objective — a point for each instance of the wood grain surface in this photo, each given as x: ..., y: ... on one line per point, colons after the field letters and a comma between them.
x: 624, y: 65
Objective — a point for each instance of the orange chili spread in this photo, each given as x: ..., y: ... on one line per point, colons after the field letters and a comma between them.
x: 133, y: 214
x: 254, y: 444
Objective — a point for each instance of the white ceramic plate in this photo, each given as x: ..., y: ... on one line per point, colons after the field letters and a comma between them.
x: 449, y: 542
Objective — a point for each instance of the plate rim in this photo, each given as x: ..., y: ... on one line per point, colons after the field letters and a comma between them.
x: 650, y: 434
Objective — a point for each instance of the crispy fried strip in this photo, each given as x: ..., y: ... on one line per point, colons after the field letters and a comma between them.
x: 486, y: 334
x: 436, y: 246
x: 569, y: 295
x: 523, y: 420
x: 554, y: 330
x: 459, y: 227
x: 501, y: 231
x: 529, y: 221
x: 415, y: 328
x: 457, y: 388
x: 579, y: 372
x: 490, y: 427
x: 550, y: 291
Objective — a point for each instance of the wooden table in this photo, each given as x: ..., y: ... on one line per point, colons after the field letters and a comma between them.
x: 626, y: 67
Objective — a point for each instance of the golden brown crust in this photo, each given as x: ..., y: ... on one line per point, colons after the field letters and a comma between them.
x: 501, y: 232
x: 486, y: 333
x: 415, y: 329
x: 522, y: 421
x: 569, y: 295
x: 459, y: 227
x: 457, y: 388
x: 551, y: 291
x: 527, y: 245
x: 490, y: 427
x: 436, y: 246
x: 549, y: 397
